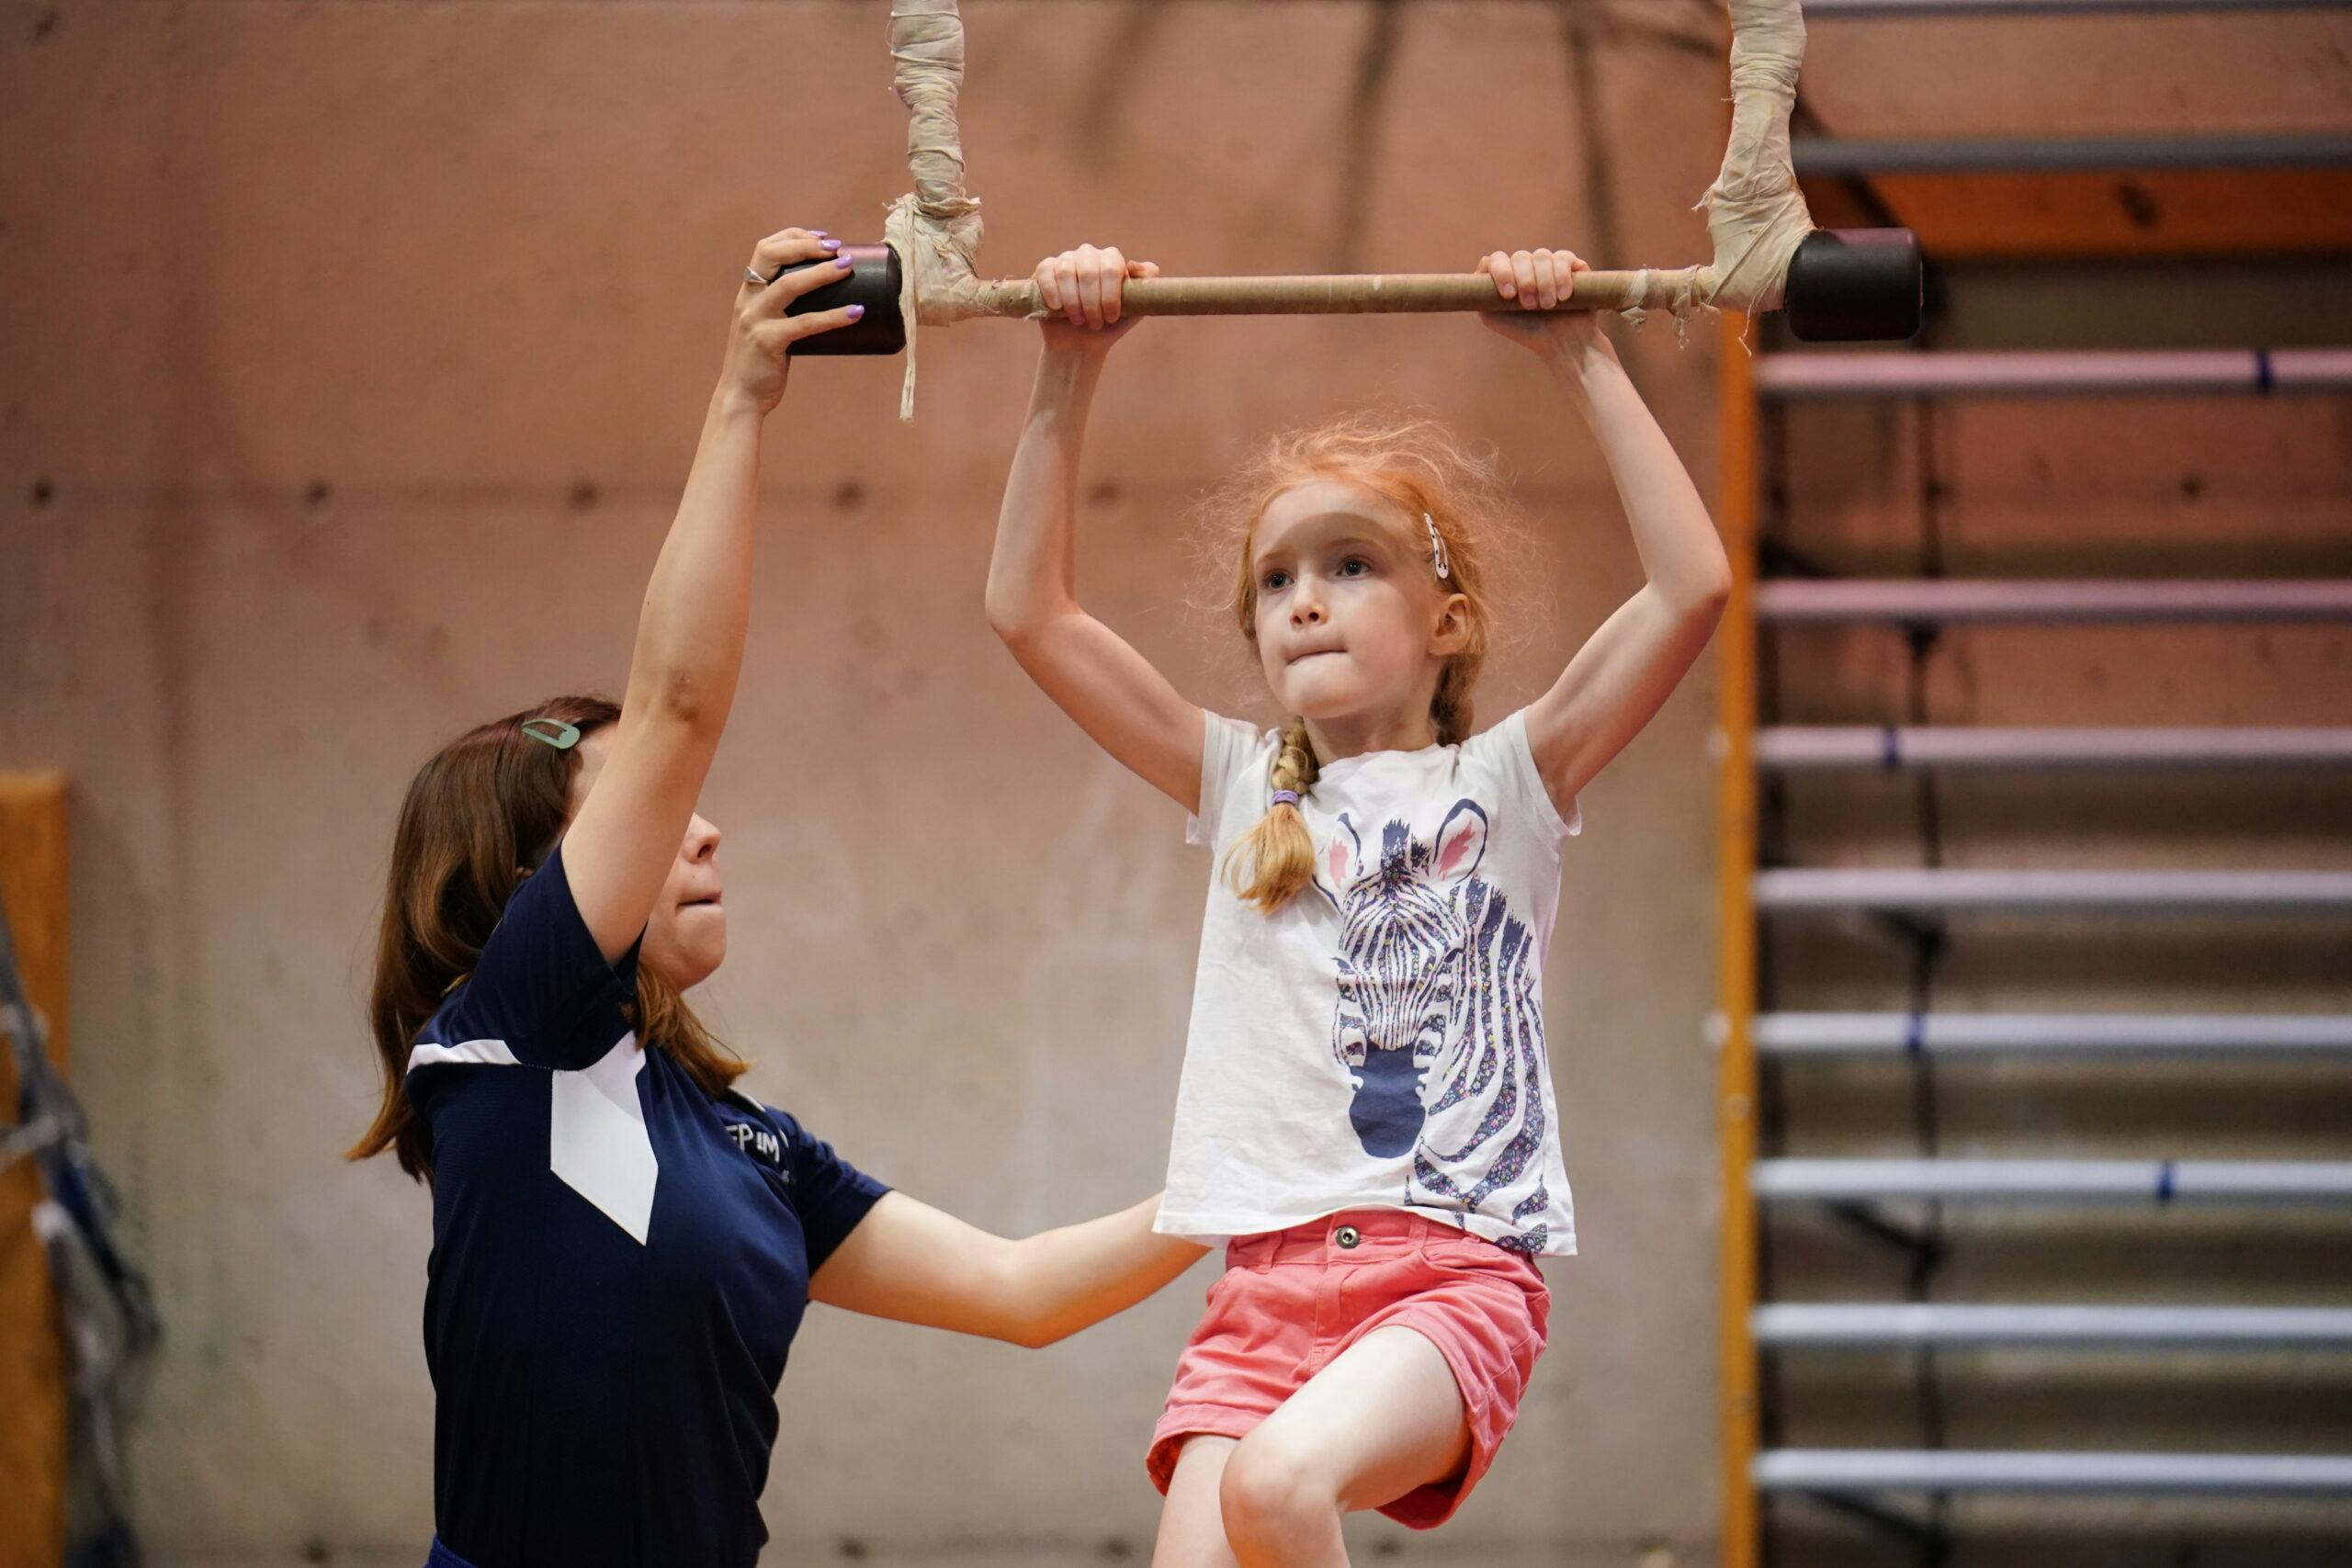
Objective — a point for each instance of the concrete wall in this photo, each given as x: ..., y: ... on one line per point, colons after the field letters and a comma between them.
x: 355, y: 356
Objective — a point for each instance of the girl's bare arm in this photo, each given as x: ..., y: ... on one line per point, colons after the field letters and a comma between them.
x: 1099, y: 680
x: 1625, y: 670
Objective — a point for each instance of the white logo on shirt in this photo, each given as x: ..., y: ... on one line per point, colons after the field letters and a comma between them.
x: 759, y: 1142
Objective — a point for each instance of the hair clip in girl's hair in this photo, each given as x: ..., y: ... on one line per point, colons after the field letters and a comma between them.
x: 561, y: 736
x: 1443, y: 562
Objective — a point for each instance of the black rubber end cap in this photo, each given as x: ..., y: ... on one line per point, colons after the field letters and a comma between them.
x: 1855, y: 285
x: 873, y: 281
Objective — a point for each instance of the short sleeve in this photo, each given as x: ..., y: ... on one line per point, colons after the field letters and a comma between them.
x: 541, y: 993
x: 1505, y: 755
x: 1230, y: 752
x: 829, y: 1194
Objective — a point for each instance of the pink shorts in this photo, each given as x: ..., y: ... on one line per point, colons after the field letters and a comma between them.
x: 1290, y: 1302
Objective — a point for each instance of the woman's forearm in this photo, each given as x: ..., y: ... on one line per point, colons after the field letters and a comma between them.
x: 1033, y: 573
x: 912, y: 1263
x: 1673, y: 534
x: 1062, y: 1281
x: 698, y: 606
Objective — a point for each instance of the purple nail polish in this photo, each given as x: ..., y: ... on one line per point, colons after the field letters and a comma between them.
x: 831, y: 244
x: 856, y: 312
x: 844, y: 262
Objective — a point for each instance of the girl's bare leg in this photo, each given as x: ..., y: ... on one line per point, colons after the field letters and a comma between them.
x: 1192, y: 1525
x: 1383, y: 1418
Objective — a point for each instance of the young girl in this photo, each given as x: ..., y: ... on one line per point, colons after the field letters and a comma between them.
x: 1366, y: 1113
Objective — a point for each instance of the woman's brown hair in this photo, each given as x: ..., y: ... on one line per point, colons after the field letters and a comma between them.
x: 487, y: 807
x: 1430, y: 474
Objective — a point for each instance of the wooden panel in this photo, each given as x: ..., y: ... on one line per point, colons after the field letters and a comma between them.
x: 2175, y: 213
x: 32, y: 1362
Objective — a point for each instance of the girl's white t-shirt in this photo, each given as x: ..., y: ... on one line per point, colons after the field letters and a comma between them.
x: 1378, y: 1042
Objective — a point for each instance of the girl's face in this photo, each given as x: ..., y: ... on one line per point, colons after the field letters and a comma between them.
x: 1352, y: 620
x: 685, y: 935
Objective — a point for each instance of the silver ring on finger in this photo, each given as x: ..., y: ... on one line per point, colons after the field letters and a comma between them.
x: 756, y: 278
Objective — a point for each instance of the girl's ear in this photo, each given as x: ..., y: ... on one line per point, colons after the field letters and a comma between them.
x: 1451, y: 634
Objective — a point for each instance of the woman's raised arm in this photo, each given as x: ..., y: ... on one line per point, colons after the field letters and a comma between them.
x: 690, y: 633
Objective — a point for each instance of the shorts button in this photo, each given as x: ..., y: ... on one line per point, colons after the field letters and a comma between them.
x: 1347, y: 1236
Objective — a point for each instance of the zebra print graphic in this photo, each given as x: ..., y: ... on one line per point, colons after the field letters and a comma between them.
x: 1440, y: 1023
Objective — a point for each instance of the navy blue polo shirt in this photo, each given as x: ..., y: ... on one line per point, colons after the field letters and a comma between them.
x: 619, y: 1263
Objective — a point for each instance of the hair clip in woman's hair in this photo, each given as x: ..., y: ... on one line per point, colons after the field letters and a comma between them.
x: 561, y: 736
x: 1443, y: 562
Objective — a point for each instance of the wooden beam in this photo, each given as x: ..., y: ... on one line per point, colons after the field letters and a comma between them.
x: 1737, y: 1395
x: 32, y: 1350
x: 2111, y: 216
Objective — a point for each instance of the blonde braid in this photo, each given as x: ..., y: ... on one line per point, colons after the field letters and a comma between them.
x: 1281, y: 851
x: 1450, y: 704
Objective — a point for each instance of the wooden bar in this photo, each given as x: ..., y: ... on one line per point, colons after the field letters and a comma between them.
x: 2020, y: 601
x: 1737, y: 1412
x: 2325, y: 1183
x: 1844, y: 10
x: 1951, y: 1470
x: 2054, y: 1036
x: 32, y: 1352
x: 1333, y: 295
x: 1886, y: 748
x: 1881, y: 1326
x: 2178, y: 213
x: 2038, y: 892
x: 2058, y: 373
x: 1823, y: 157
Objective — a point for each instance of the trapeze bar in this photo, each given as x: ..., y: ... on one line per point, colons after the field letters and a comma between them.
x: 1840, y: 10
x: 2057, y: 892
x: 1344, y: 293
x: 1955, y: 1470
x: 2052, y: 1181
x: 1818, y: 157
x: 1826, y: 1327
x: 1837, y: 286
x: 1889, y: 746
x: 1792, y: 1034
x: 2030, y: 372
x: 1905, y: 600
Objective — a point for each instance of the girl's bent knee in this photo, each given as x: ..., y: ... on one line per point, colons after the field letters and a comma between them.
x: 1271, y: 1490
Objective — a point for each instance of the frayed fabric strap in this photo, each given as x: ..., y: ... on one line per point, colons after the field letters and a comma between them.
x: 936, y: 228
x: 1756, y: 215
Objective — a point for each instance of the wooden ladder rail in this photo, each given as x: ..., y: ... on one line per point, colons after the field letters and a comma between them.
x: 32, y: 1372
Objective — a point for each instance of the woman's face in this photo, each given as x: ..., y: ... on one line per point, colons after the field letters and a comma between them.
x: 685, y: 935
